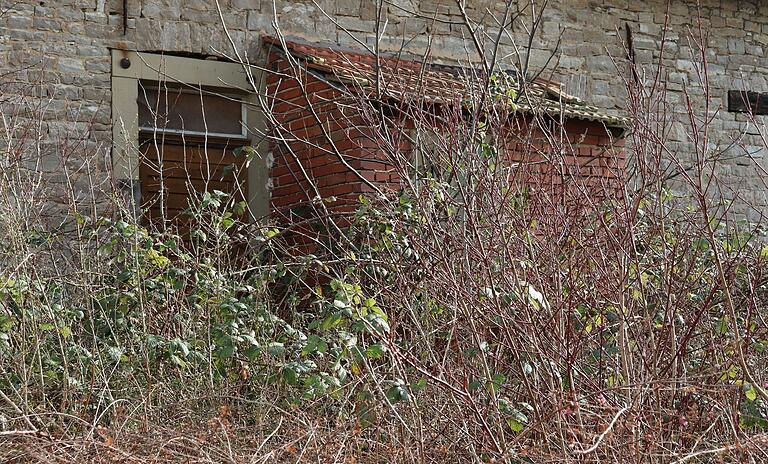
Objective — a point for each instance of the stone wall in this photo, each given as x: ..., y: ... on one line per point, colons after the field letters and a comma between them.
x: 63, y: 47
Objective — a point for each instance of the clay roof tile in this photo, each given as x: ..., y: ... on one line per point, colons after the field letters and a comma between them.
x: 409, y: 79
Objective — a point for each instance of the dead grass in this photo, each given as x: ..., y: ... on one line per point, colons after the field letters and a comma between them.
x: 288, y: 438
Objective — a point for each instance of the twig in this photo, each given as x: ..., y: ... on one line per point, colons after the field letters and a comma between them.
x: 605, y: 432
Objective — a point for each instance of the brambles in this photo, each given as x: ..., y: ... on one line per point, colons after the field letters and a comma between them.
x: 466, y: 316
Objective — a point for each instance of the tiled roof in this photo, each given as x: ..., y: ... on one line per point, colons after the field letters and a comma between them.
x: 404, y: 79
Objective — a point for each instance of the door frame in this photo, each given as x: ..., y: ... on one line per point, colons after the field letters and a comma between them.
x: 130, y: 67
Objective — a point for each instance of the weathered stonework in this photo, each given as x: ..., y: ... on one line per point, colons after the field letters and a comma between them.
x: 59, y: 53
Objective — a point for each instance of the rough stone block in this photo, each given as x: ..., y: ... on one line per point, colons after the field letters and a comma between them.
x: 246, y: 4
x: 96, y: 17
x: 369, y: 10
x: 601, y: 64
x: 71, y: 65
x: 355, y: 24
x: 158, y: 9
x: 258, y: 21
x: 18, y: 22
x: 347, y: 8
x: 99, y: 65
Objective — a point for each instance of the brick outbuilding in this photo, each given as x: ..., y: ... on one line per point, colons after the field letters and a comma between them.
x: 327, y: 142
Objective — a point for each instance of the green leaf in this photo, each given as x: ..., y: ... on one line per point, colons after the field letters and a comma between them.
x: 177, y: 361
x: 498, y: 380
x: 155, y: 341
x: 275, y: 348
x: 419, y: 385
x: 723, y: 326
x: 375, y: 351
x: 252, y: 351
x: 764, y: 252
x: 156, y: 259
x: 514, y: 425
x: 365, y: 414
x: 181, y: 345
x: 378, y: 324
x: 239, y: 208
x: 331, y: 321
x: 290, y: 376
x: 314, y: 343
x: 750, y: 392
x: 200, y: 235
x: 114, y: 353
x: 700, y: 244
x: 225, y: 351
x: 247, y: 151
x: 397, y: 394
x: 228, y: 169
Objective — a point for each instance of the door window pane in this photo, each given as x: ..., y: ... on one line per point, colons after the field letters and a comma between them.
x: 188, y: 111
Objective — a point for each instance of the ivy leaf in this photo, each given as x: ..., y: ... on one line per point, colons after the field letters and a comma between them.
x: 498, y: 380
x: 114, y: 353
x: 155, y: 341
x: 247, y: 151
x: 474, y: 385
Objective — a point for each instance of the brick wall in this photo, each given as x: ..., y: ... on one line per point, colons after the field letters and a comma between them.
x: 328, y: 151
x: 579, y: 155
x: 325, y: 156
x: 324, y: 151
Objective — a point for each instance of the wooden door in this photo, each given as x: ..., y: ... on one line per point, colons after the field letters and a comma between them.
x: 187, y: 139
x: 176, y: 171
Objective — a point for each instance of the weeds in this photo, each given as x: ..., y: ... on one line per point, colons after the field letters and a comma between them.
x: 460, y: 317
